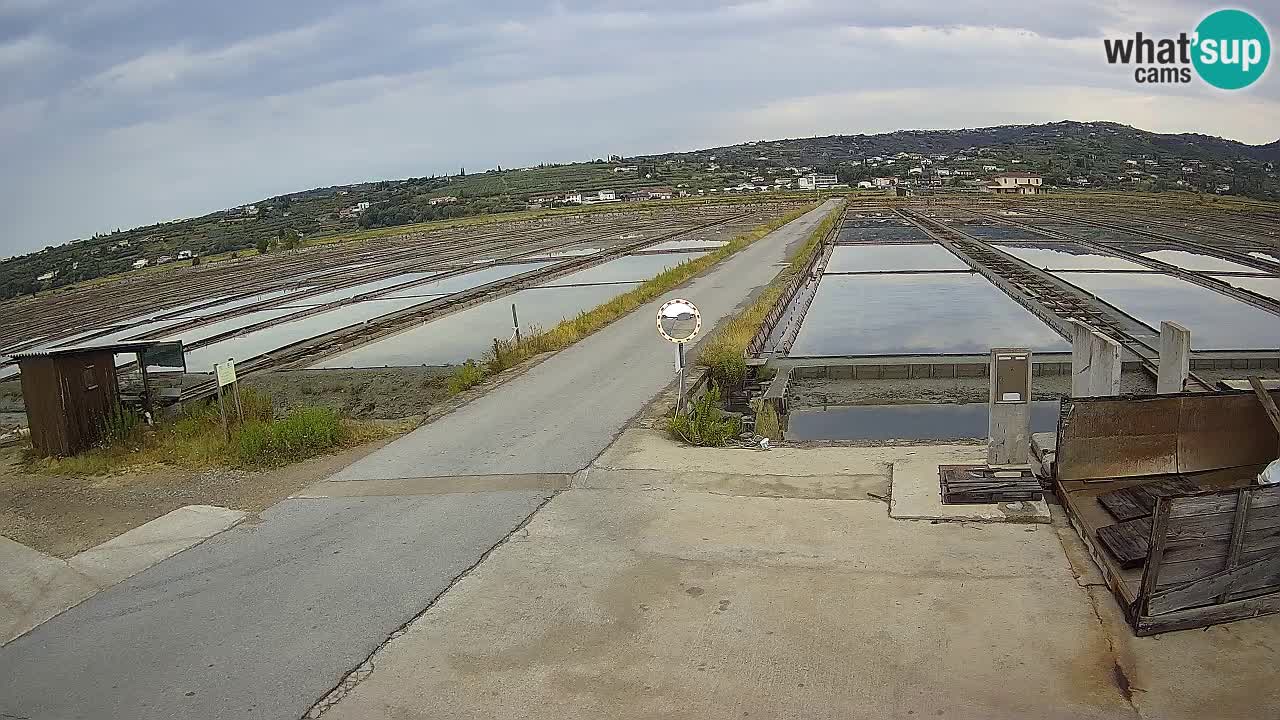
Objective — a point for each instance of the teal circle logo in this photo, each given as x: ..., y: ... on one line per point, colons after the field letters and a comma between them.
x: 1231, y: 49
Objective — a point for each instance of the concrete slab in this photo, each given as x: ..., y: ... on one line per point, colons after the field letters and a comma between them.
x: 331, y: 488
x: 132, y: 552
x: 812, y: 487
x: 34, y: 587
x: 641, y: 605
x: 916, y: 495
x: 261, y: 620
x: 640, y: 448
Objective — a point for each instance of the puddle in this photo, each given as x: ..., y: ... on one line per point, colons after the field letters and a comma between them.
x: 917, y: 313
x: 1196, y: 261
x: 905, y: 256
x: 1217, y: 322
x: 1069, y: 256
x: 906, y: 422
x: 468, y: 334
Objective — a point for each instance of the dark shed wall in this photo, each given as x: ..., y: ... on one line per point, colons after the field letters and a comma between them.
x: 42, y: 395
x: 68, y: 398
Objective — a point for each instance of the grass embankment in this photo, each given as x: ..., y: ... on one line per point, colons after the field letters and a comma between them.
x: 508, y: 353
x: 725, y: 351
x: 196, y: 439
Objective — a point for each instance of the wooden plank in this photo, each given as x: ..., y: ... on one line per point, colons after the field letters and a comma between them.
x: 1211, y: 615
x: 1220, y: 501
x: 1244, y: 497
x: 1261, y: 572
x: 1128, y: 542
x: 1138, y: 501
x: 1218, y: 525
x: 1151, y: 571
x: 1268, y: 404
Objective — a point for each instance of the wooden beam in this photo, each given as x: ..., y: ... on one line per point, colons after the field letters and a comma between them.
x: 1268, y: 403
x: 1243, y: 499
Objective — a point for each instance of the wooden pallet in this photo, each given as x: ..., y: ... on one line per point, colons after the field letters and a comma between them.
x: 1128, y: 542
x: 964, y: 484
x: 1138, y: 501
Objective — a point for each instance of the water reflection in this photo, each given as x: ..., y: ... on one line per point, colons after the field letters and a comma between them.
x: 907, y: 256
x: 916, y: 313
x: 1217, y: 322
x: 906, y: 422
x: 469, y: 333
x: 1197, y: 261
x: 1070, y: 256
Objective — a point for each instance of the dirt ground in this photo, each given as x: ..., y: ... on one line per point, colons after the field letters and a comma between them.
x: 368, y: 394
x: 63, y: 515
x: 819, y: 393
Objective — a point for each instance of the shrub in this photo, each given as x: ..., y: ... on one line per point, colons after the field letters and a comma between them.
x: 301, y: 434
x: 705, y: 424
x: 467, y: 375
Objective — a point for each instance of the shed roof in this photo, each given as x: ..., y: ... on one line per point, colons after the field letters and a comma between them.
x: 116, y: 347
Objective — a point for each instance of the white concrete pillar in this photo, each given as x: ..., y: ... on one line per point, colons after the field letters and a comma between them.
x: 1175, y: 358
x: 1095, y: 362
x: 1009, y: 428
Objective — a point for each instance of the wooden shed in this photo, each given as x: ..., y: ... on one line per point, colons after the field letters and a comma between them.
x: 69, y: 393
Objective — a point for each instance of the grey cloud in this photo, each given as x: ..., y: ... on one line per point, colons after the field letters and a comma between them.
x: 149, y: 110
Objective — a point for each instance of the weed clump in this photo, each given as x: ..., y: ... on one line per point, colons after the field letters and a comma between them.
x: 705, y: 423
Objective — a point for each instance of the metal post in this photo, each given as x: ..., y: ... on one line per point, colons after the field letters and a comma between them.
x: 515, y: 322
x: 680, y: 368
x: 235, y: 390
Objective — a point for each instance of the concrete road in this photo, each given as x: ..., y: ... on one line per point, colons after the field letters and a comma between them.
x: 265, y: 619
x: 564, y: 412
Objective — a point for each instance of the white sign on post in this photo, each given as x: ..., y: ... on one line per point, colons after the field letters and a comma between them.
x: 226, y: 373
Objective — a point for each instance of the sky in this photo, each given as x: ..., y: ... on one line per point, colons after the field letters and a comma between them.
x: 120, y: 113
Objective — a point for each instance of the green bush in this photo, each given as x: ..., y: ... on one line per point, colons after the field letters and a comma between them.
x: 465, y: 376
x: 300, y: 435
x: 705, y: 424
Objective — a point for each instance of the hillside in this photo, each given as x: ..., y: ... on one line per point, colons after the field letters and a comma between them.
x: 1070, y: 154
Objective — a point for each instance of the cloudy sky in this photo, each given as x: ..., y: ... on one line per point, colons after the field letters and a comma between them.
x: 123, y: 112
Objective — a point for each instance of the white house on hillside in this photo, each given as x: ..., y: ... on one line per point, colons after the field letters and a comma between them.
x: 1017, y: 183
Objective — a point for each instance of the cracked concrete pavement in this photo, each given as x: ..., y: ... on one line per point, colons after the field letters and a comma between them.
x: 775, y: 584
